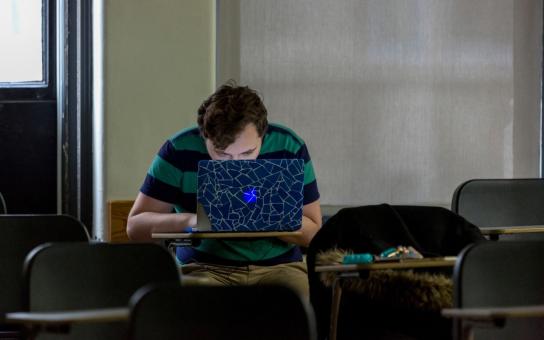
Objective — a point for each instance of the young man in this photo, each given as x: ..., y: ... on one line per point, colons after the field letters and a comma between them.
x: 232, y: 125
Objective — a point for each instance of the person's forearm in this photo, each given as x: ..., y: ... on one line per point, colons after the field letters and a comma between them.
x: 140, y: 226
x: 309, y: 229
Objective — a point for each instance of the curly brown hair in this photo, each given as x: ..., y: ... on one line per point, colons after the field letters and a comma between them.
x: 223, y: 116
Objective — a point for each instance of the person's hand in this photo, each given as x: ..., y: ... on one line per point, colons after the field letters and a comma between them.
x: 192, y: 220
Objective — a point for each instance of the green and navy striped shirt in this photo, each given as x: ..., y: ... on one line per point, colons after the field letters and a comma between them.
x: 172, y: 178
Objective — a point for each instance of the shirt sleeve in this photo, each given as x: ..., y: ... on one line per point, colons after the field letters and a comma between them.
x: 163, y: 180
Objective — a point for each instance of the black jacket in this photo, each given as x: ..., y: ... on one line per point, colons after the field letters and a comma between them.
x: 433, y: 231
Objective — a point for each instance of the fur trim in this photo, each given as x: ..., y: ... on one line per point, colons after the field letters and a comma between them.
x: 401, y: 288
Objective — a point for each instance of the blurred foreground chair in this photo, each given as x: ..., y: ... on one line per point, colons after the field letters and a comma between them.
x: 497, y: 205
x: 498, y: 291
x: 3, y: 206
x: 169, y: 312
x: 433, y: 231
x: 19, y: 235
x: 80, y: 276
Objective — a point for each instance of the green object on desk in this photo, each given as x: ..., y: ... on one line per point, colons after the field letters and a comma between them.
x: 389, y: 252
x: 358, y: 258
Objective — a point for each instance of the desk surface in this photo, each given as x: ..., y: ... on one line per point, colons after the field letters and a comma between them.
x: 68, y: 317
x: 430, y: 262
x: 493, y: 313
x: 224, y: 235
x: 512, y: 230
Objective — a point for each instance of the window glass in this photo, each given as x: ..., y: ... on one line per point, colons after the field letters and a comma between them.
x: 21, y: 38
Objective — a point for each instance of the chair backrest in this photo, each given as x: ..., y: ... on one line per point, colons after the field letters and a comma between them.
x: 3, y: 206
x: 218, y: 312
x: 500, y: 202
x: 432, y: 230
x: 89, y: 276
x: 502, y: 274
x: 19, y: 235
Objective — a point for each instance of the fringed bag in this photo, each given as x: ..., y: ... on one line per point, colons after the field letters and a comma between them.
x: 401, y: 288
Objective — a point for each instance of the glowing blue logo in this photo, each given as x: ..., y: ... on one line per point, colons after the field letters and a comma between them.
x: 250, y: 196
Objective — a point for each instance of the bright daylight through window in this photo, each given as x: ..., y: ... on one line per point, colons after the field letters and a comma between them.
x: 21, y: 41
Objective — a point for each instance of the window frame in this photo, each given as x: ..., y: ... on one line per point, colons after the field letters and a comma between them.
x: 38, y: 90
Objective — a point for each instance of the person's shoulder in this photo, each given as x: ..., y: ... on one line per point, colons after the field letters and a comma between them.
x: 276, y: 130
x: 188, y: 138
x: 187, y: 132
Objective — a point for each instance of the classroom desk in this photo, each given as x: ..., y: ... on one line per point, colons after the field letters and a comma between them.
x: 62, y: 320
x: 353, y: 270
x: 223, y: 235
x: 495, y: 232
x: 495, y: 315
x: 186, y: 239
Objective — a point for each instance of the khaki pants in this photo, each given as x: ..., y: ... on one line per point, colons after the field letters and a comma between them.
x: 293, y: 275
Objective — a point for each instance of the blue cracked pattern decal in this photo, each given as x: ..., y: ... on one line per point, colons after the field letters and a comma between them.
x: 252, y: 195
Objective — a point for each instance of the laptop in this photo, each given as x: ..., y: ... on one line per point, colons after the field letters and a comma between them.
x: 249, y: 195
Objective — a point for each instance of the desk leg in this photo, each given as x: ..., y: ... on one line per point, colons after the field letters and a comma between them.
x: 467, y: 331
x: 335, y: 307
x: 31, y: 332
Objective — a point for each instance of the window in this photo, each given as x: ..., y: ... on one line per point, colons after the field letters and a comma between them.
x: 28, y: 106
x: 22, y: 37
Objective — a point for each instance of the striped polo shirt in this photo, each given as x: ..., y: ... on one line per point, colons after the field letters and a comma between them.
x: 172, y: 178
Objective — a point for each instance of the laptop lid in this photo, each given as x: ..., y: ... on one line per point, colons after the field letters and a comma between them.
x: 250, y: 195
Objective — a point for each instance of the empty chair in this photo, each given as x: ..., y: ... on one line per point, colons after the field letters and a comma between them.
x: 501, y: 274
x: 3, y: 206
x: 501, y: 202
x: 80, y: 276
x: 170, y: 312
x: 19, y: 234
x: 433, y: 231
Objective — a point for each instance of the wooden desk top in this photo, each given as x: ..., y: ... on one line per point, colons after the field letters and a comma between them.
x: 68, y: 317
x: 224, y: 235
x: 512, y: 230
x: 493, y: 313
x: 430, y: 262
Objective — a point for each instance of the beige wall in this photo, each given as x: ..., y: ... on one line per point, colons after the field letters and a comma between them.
x: 159, y: 66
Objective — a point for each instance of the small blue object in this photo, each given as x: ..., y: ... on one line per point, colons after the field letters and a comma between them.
x: 190, y: 230
x: 358, y: 258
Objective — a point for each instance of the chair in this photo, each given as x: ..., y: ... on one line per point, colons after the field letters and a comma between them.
x: 433, y: 231
x: 3, y: 206
x: 501, y: 202
x: 82, y: 276
x: 21, y: 233
x: 217, y: 312
x: 501, y: 274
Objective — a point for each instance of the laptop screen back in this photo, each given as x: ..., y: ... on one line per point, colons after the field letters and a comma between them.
x: 250, y: 195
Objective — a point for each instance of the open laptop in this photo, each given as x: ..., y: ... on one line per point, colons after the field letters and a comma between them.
x: 250, y: 195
